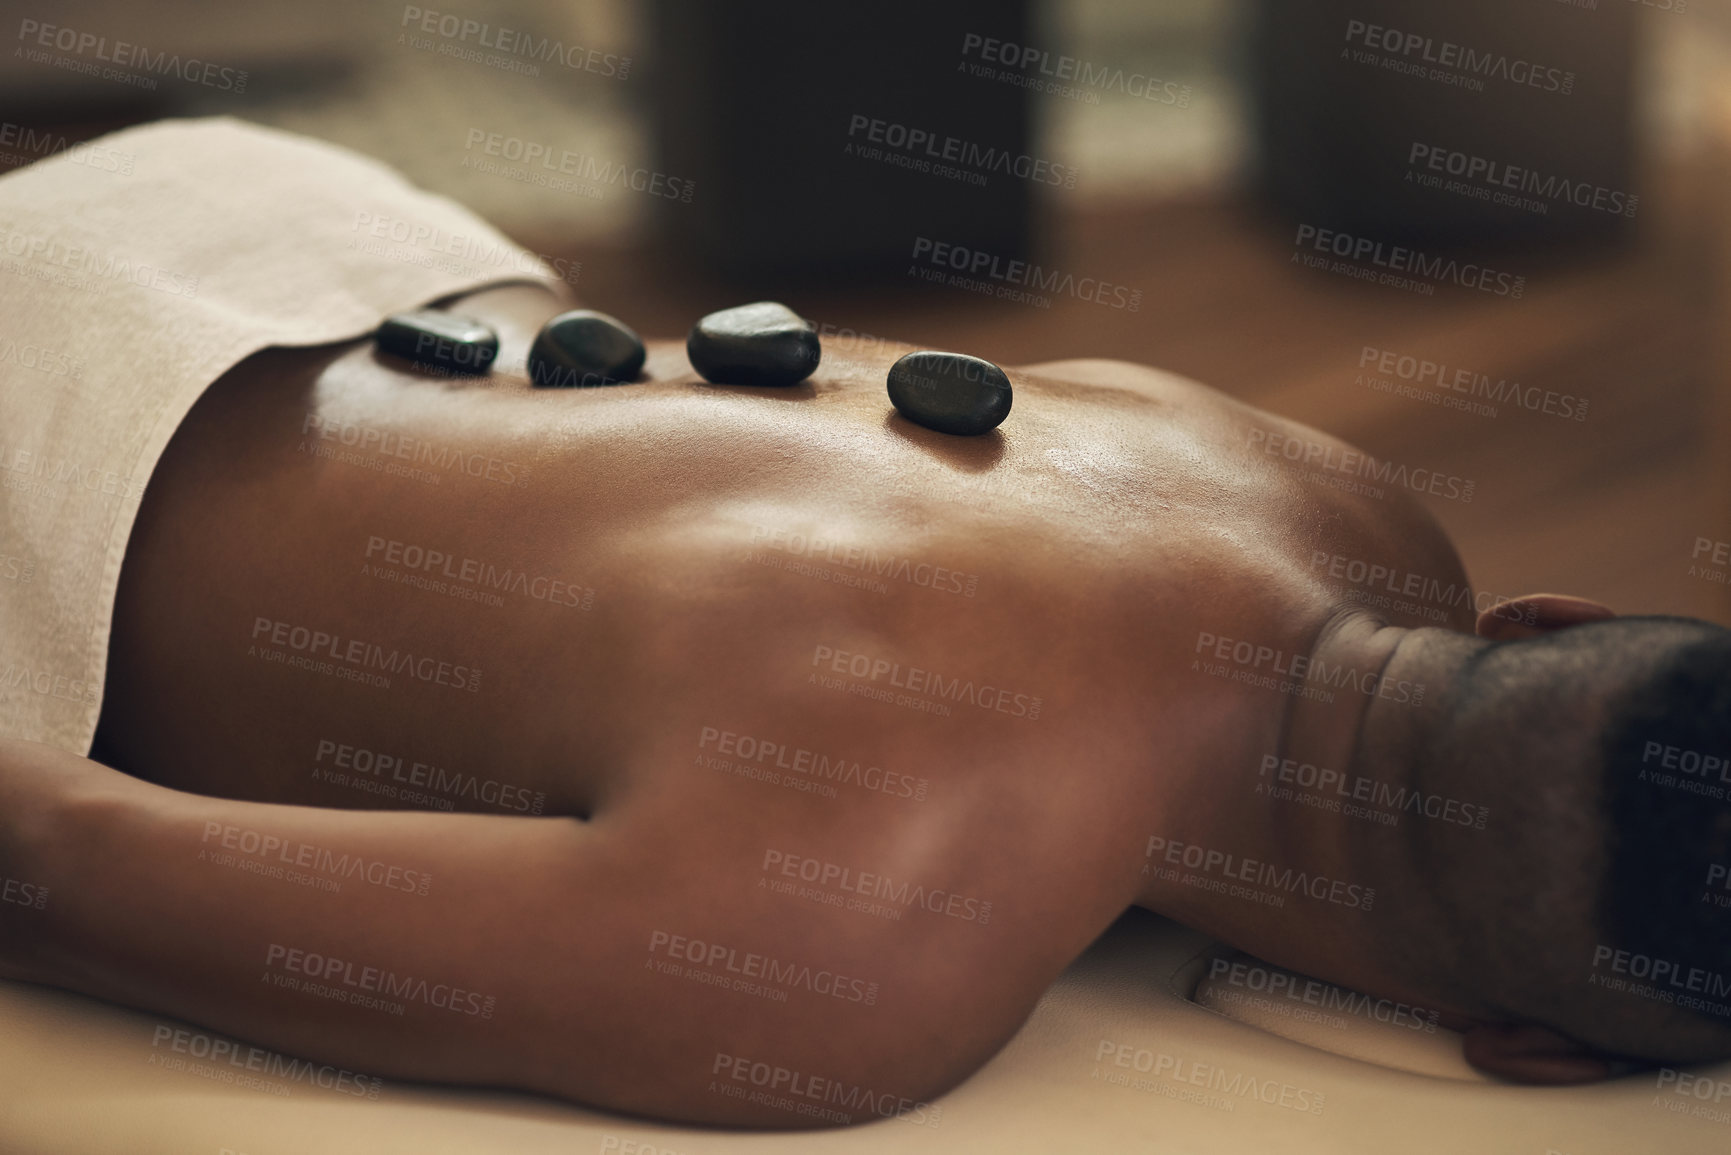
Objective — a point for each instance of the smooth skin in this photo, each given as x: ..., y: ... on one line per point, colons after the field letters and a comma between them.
x: 1118, y: 525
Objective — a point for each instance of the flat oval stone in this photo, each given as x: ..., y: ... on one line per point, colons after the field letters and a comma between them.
x: 429, y: 337
x: 765, y: 343
x: 584, y: 348
x: 950, y: 392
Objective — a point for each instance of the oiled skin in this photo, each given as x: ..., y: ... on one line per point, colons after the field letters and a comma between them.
x: 1118, y: 515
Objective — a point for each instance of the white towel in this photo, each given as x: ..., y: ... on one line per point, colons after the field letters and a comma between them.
x: 125, y: 290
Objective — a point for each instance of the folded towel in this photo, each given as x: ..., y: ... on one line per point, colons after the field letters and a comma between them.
x: 123, y: 295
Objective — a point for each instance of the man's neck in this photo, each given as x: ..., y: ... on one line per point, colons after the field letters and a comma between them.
x: 1375, y: 741
x: 1348, y: 675
x: 1310, y: 882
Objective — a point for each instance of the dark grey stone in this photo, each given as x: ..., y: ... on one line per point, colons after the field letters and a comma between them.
x: 584, y: 348
x: 765, y: 343
x: 428, y: 337
x: 950, y: 392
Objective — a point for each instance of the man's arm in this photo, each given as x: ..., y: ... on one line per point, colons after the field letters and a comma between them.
x: 474, y: 949
x: 234, y: 914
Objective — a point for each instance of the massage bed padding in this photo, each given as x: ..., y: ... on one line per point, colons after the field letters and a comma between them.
x: 79, y: 1079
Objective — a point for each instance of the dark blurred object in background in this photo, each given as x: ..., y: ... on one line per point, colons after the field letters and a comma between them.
x: 754, y: 101
x: 1369, y: 121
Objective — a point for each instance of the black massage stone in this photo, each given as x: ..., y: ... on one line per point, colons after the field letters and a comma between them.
x: 584, y: 348
x: 765, y: 343
x: 457, y: 344
x: 950, y: 392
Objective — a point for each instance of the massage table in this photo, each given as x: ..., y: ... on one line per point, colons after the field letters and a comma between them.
x: 1140, y: 1046
x: 1145, y: 1044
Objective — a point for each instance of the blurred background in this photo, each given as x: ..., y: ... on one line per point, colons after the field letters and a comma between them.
x: 1255, y: 193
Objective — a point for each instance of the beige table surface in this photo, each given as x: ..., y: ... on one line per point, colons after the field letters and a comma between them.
x: 77, y: 1077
